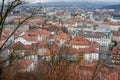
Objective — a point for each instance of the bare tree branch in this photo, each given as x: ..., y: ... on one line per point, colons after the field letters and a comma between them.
x: 13, y: 5
x: 2, y: 6
x: 15, y: 30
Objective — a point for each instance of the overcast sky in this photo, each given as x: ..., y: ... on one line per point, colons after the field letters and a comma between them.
x: 74, y: 0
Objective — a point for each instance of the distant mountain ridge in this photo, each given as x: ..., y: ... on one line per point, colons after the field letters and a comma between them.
x: 80, y: 4
x: 116, y: 7
x: 72, y: 4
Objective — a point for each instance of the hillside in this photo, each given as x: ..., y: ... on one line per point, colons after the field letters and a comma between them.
x: 72, y: 4
x: 116, y: 7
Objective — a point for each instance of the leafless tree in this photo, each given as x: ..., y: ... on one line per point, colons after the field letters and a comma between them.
x: 6, y: 7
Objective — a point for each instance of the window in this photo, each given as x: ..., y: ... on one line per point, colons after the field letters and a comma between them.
x: 90, y: 58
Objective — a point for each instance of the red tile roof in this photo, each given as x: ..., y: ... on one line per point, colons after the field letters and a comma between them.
x: 28, y: 38
x: 116, y: 55
x: 7, y: 31
x: 30, y: 21
x: 62, y: 36
x: 33, y: 35
x: 79, y: 40
x: 20, y: 46
x: 89, y: 22
x: 85, y: 70
x: 44, y: 32
x: 116, y: 50
x: 48, y: 53
x: 110, y: 23
x: 3, y: 37
x: 94, y: 44
x: 22, y: 64
x: 116, y: 33
x: 41, y: 44
x: 51, y: 48
x: 38, y: 32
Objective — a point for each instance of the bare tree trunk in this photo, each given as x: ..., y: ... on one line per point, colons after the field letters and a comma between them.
x: 3, y: 15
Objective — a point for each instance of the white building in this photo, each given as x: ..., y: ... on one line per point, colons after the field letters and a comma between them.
x: 22, y: 40
x: 101, y: 38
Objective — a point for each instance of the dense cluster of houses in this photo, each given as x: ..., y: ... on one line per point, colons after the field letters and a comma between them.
x: 75, y: 38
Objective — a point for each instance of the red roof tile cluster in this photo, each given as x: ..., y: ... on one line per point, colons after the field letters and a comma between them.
x: 38, y: 32
x: 116, y: 33
x: 74, y: 19
x: 33, y: 35
x: 51, y: 48
x: 29, y: 38
x: 110, y: 23
x: 41, y: 44
x: 30, y: 21
x: 52, y: 27
x: 5, y: 33
x: 22, y: 64
x: 94, y: 44
x: 118, y: 67
x: 20, y: 46
x: 116, y: 50
x: 88, y: 21
x: 80, y: 50
x: 62, y: 36
x: 79, y: 40
x: 44, y: 32
x: 3, y: 37
x: 116, y: 54
x: 85, y: 70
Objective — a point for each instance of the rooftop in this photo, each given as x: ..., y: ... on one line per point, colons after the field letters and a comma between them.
x: 79, y: 40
